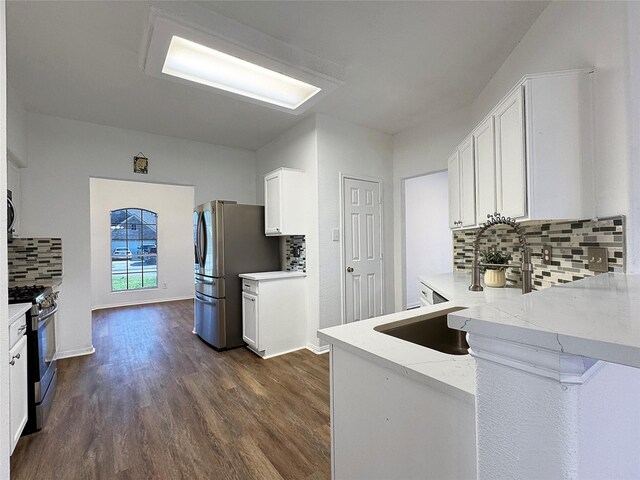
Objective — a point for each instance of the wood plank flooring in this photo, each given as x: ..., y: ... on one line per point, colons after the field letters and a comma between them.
x: 155, y: 402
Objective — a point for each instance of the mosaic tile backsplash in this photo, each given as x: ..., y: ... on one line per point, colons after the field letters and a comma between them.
x: 33, y: 259
x: 295, y: 254
x: 569, y: 239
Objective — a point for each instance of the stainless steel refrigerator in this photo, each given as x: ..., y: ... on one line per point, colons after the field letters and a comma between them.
x: 229, y: 239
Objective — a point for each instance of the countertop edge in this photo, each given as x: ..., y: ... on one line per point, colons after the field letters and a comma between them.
x: 264, y: 276
x: 511, y: 322
x: 405, y: 370
x: 16, y: 310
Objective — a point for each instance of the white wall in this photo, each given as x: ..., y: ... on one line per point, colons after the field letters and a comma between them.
x: 419, y: 151
x: 64, y: 154
x: 428, y: 240
x: 566, y: 35
x: 298, y: 148
x: 4, y: 314
x: 349, y: 149
x: 633, y: 225
x: 174, y: 206
x: 325, y: 147
x: 16, y: 129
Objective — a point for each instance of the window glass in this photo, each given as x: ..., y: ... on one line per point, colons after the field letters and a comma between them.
x: 134, y: 253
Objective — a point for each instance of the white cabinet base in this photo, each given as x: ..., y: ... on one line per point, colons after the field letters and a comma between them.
x: 386, y: 426
x: 274, y: 315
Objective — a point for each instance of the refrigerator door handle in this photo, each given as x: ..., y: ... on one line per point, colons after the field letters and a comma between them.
x: 204, y: 299
x: 203, y: 241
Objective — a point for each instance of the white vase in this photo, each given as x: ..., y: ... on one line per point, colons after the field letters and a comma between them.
x: 494, y: 278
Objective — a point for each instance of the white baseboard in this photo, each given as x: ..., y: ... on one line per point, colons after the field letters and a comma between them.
x: 317, y: 350
x: 76, y: 353
x: 140, y: 302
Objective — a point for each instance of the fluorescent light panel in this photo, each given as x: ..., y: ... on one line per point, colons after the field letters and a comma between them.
x: 197, y: 63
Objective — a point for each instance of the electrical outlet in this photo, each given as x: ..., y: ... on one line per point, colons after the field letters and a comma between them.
x: 547, y: 254
x: 598, y: 259
x: 164, y: 285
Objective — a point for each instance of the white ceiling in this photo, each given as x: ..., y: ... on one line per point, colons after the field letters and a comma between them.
x: 406, y: 62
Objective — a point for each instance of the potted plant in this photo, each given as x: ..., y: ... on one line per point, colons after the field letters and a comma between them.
x: 494, y: 274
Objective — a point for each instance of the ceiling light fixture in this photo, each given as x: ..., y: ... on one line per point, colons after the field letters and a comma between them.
x: 189, y: 44
x: 191, y: 61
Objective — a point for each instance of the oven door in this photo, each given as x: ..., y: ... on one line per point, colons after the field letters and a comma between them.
x: 46, y: 333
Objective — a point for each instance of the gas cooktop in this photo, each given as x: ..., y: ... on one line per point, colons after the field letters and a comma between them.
x: 28, y: 294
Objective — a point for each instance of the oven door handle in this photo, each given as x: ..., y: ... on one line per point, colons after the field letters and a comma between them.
x: 39, y: 321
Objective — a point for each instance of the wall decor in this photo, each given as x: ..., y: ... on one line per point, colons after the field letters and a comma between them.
x: 140, y: 164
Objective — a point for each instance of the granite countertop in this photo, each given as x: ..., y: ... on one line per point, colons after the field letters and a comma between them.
x: 271, y: 275
x: 17, y: 310
x: 451, y: 374
x: 596, y: 317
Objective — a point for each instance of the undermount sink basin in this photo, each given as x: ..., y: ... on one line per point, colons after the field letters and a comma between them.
x: 430, y: 331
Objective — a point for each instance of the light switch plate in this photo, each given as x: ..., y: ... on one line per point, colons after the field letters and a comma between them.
x: 598, y: 259
x: 547, y: 253
x: 335, y: 234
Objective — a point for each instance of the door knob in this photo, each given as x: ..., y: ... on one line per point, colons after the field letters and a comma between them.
x: 349, y: 269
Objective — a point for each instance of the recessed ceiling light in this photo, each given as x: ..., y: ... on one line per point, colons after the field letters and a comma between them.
x: 237, y: 60
x: 197, y: 63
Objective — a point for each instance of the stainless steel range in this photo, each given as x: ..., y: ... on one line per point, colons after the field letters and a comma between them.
x: 41, y: 350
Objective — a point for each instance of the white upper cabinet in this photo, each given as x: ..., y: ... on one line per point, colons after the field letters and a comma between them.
x: 284, y: 202
x: 454, y: 190
x: 467, y: 184
x: 532, y: 154
x: 559, y: 145
x: 462, y: 199
x: 511, y: 181
x: 485, y: 149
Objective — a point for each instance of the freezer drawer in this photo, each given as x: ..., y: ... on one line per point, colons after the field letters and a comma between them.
x: 210, y: 320
x: 211, y: 287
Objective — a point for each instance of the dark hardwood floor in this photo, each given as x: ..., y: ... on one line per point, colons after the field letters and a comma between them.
x: 155, y: 402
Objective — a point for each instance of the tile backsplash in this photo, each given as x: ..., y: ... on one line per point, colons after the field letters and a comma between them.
x: 33, y: 259
x: 569, y: 239
x: 295, y: 254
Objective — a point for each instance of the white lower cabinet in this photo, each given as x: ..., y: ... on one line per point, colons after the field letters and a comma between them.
x: 250, y: 319
x: 273, y: 313
x: 18, y: 389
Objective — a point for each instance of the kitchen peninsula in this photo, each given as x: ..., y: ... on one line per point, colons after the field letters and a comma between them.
x: 558, y: 378
x: 400, y: 409
x: 387, y: 392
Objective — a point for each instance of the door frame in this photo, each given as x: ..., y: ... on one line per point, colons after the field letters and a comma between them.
x: 343, y: 263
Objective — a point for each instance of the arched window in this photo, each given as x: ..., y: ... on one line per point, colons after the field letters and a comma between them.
x: 134, y: 249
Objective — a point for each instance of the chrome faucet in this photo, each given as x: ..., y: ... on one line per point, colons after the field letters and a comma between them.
x: 527, y: 268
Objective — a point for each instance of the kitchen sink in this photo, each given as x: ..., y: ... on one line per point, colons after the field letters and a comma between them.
x: 431, y: 331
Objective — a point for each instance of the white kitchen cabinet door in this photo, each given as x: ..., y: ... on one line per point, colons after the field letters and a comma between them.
x: 18, y: 389
x: 467, y: 184
x: 511, y: 177
x: 484, y: 142
x: 250, y: 320
x: 454, y: 190
x: 284, y: 202
x: 272, y: 204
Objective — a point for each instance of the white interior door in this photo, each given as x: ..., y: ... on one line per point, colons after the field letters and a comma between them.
x: 362, y: 249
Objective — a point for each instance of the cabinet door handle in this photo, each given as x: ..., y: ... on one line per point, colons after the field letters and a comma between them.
x: 13, y: 360
x: 23, y: 327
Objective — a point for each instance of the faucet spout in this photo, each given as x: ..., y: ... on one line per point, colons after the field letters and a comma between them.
x: 527, y: 268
